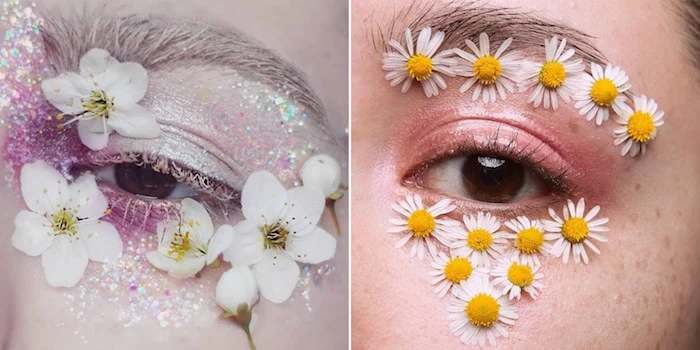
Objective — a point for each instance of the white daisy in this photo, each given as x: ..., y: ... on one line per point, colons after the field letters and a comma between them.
x: 493, y: 73
x: 421, y: 64
x: 515, y: 275
x: 478, y: 312
x: 639, y: 126
x: 279, y: 230
x: 103, y: 98
x: 552, y: 77
x: 448, y: 272
x: 529, y: 239
x: 575, y: 231
x: 481, y: 241
x: 63, y: 224
x: 603, y: 90
x: 188, y: 243
x: 422, y: 226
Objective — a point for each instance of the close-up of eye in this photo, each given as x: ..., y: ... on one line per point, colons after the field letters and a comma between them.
x: 485, y: 178
x: 144, y: 181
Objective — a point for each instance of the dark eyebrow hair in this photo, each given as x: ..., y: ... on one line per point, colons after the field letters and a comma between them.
x: 467, y: 21
x: 689, y: 11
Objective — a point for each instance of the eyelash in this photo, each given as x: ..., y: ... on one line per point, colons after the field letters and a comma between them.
x: 523, y: 155
x: 221, y: 200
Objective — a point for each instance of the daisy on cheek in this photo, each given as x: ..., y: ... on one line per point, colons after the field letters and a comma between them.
x: 279, y: 230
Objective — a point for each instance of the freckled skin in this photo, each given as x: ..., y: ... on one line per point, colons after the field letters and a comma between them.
x: 642, y: 292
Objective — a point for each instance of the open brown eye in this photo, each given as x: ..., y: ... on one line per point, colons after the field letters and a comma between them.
x: 144, y: 180
x: 491, y: 179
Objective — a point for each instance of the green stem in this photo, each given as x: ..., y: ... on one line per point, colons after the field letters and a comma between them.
x: 250, y: 337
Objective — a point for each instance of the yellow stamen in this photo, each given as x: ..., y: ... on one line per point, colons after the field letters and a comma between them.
x: 479, y: 239
x: 59, y: 116
x: 575, y: 230
x: 421, y: 223
x: 640, y: 127
x: 180, y: 245
x: 419, y: 67
x: 487, y: 69
x: 64, y: 222
x: 603, y: 92
x: 520, y: 275
x: 458, y: 269
x: 99, y: 104
x: 275, y: 236
x: 552, y: 74
x: 482, y: 310
x: 529, y: 240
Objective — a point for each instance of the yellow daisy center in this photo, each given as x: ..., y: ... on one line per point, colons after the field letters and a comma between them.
x: 487, y: 69
x: 552, y: 74
x: 64, y: 223
x: 640, y: 126
x: 520, y: 275
x: 479, y: 239
x: 458, y: 269
x: 421, y: 223
x: 482, y: 310
x: 575, y: 230
x: 603, y: 92
x: 529, y: 240
x: 419, y: 67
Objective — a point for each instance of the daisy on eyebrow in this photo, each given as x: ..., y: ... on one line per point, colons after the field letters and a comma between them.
x: 575, y: 231
x: 450, y: 271
x: 491, y: 74
x: 603, y: 90
x: 529, y: 239
x: 424, y: 64
x: 638, y: 126
x: 481, y: 241
x: 515, y: 276
x: 553, y: 76
x: 478, y: 312
x: 421, y: 226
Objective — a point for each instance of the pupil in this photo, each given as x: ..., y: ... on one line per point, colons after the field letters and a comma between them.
x: 144, y: 180
x: 492, y: 179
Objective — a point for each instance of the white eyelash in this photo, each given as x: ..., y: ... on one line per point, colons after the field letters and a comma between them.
x: 181, y: 174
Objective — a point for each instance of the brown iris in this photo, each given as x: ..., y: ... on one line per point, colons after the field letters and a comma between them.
x: 144, y: 180
x: 491, y: 179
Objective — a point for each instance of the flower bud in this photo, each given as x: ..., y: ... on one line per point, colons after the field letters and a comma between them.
x: 237, y: 288
x: 322, y: 172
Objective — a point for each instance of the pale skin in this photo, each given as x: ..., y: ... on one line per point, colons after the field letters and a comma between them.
x: 322, y: 57
x: 641, y: 292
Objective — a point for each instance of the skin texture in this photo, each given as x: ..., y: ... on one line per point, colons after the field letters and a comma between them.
x: 641, y: 293
x: 322, y: 58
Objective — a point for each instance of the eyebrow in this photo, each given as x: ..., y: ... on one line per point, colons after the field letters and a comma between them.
x: 467, y: 21
x: 162, y: 43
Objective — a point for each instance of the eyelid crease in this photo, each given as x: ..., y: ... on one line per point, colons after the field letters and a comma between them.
x: 183, y: 174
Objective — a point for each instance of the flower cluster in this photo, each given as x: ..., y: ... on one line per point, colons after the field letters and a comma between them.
x: 486, y: 264
x: 558, y: 76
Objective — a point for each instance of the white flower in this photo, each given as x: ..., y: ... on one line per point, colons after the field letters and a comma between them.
x: 422, y: 64
x: 598, y: 93
x: 481, y: 241
x: 493, y: 73
x: 323, y: 172
x: 237, y: 289
x: 103, y: 98
x: 420, y: 225
x: 188, y: 243
x: 448, y: 272
x: 515, y: 275
x: 639, y: 126
x: 552, y: 77
x: 575, y: 231
x: 279, y: 229
x: 62, y: 224
x: 478, y: 312
x: 529, y: 239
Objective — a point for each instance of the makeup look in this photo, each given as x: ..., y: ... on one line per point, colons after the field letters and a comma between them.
x: 442, y: 177
x: 218, y: 152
